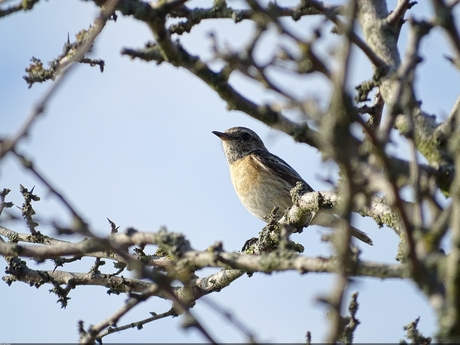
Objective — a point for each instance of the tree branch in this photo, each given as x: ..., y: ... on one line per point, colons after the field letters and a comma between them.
x: 398, y: 13
x: 63, y: 71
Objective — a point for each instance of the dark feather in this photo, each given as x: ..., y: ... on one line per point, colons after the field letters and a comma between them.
x: 280, y: 167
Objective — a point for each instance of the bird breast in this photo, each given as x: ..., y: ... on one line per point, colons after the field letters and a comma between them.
x: 258, y: 188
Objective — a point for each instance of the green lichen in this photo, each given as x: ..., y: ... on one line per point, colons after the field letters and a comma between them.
x: 9, y: 279
x: 161, y: 252
x: 116, y: 287
x: 13, y: 237
x: 174, y: 244
x: 37, y: 238
x: 250, y: 250
x: 28, y: 4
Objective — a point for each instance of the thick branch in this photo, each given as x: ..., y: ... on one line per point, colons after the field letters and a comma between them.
x: 220, y: 10
x: 265, y: 263
x: 218, y: 81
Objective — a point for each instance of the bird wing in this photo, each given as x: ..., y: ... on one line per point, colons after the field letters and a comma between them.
x: 279, y: 167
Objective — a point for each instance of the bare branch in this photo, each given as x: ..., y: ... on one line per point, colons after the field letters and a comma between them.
x: 4, y: 204
x: 235, y: 101
x: 22, y: 5
x: 221, y: 10
x: 138, y: 324
x: 63, y: 71
x: 445, y: 19
x: 196, y: 259
x: 444, y: 130
x: 398, y: 13
x: 450, y: 312
x: 112, y: 321
x: 373, y: 57
x: 163, y: 265
x: 350, y: 323
x: 80, y: 225
x: 347, y: 185
x: 232, y: 319
x: 414, y: 334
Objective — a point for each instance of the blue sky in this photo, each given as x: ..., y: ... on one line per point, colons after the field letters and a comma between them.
x: 134, y: 144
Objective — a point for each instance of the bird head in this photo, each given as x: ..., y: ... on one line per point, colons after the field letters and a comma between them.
x: 239, y: 142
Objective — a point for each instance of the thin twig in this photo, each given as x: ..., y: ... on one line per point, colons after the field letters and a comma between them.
x: 137, y: 324
x: 418, y: 217
x: 81, y: 225
x: 232, y: 319
x: 397, y: 202
x: 449, y: 126
x: 374, y: 58
x: 11, y: 9
x: 445, y: 19
x: 342, y: 243
x: 406, y: 69
x: 63, y: 71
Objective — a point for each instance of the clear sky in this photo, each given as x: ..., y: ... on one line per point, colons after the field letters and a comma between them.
x: 134, y: 144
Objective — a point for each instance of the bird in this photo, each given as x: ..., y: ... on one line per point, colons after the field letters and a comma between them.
x: 263, y: 180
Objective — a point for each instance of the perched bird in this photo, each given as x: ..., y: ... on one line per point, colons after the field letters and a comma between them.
x: 262, y: 180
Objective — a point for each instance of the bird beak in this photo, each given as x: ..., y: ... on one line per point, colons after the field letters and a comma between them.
x: 222, y: 136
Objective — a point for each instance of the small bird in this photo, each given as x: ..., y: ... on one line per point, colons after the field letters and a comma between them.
x: 263, y: 180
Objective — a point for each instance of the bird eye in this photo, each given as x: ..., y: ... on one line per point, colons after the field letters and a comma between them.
x: 246, y: 136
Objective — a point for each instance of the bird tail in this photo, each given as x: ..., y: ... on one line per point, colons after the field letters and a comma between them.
x: 328, y: 220
x: 361, y: 235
